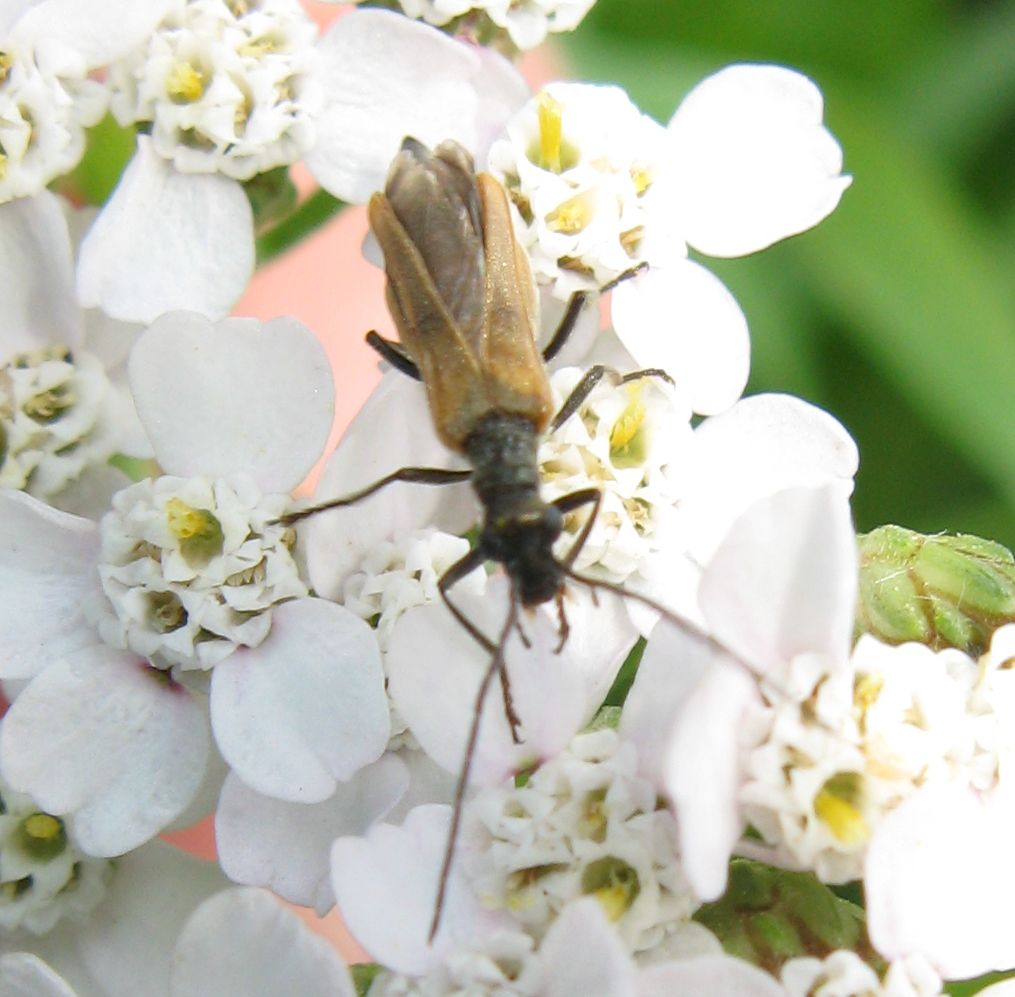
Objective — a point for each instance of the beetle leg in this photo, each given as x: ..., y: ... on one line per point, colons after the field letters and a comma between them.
x: 394, y: 353
x: 414, y: 475
x: 455, y: 574
x: 590, y: 379
x: 568, y: 503
x: 574, y: 306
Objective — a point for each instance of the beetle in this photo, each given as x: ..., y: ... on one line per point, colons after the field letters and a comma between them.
x: 461, y: 292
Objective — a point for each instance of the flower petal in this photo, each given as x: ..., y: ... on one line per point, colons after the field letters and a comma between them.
x: 703, y: 773
x: 394, y: 429
x: 715, y: 975
x: 762, y: 445
x: 783, y: 582
x: 553, y: 694
x: 581, y: 954
x: 386, y: 885
x: 244, y: 942
x: 753, y: 162
x: 306, y: 707
x: 106, y: 738
x: 938, y: 881
x: 130, y: 936
x: 25, y: 975
x: 36, y: 277
x: 101, y: 31
x: 389, y: 77
x: 683, y: 319
x: 167, y: 240
x: 287, y: 846
x: 236, y: 396
x: 49, y: 576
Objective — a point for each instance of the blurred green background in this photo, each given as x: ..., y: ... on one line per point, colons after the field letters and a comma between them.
x: 897, y: 313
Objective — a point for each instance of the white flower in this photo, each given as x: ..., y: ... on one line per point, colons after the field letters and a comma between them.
x: 600, y: 187
x: 45, y: 877
x: 292, y: 715
x: 845, y: 974
x: 63, y: 408
x: 527, y: 22
x: 583, y: 824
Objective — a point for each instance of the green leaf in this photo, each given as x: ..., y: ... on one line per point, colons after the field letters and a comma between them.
x: 108, y: 150
x: 318, y: 208
x: 363, y: 975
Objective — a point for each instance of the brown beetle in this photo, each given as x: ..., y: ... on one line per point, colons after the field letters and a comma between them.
x: 461, y: 292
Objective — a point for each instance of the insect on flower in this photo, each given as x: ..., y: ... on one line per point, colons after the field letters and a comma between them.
x: 462, y: 295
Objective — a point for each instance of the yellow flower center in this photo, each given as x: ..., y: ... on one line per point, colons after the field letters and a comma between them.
x: 185, y: 83
x: 838, y: 806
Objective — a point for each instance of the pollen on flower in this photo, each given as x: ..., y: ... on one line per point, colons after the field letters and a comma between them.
x: 43, y: 876
x: 242, y: 91
x: 54, y: 419
x: 185, y: 82
x: 573, y: 215
x: 838, y: 804
x: 191, y: 568
x: 583, y: 824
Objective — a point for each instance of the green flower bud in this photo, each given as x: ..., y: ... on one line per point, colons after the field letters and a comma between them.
x: 942, y: 591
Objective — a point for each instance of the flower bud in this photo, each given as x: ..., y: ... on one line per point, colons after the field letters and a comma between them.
x: 942, y: 591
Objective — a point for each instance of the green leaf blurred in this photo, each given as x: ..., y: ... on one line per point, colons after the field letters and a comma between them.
x: 106, y: 156
x: 897, y: 313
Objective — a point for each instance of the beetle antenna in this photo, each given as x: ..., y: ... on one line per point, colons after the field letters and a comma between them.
x: 495, y: 667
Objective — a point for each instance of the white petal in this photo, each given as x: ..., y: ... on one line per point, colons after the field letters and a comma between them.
x: 435, y: 668
x: 167, y: 240
x: 130, y: 936
x: 938, y: 881
x: 49, y: 577
x: 715, y: 975
x: 24, y: 975
x: 11, y: 10
x: 581, y: 954
x: 91, y: 493
x: 753, y: 162
x: 390, y: 77
x: 235, y: 396
x: 784, y: 580
x: 104, y: 737
x: 287, y: 846
x: 762, y: 445
x: 100, y: 30
x: 703, y: 773
x: 672, y: 665
x: 392, y: 430
x: 386, y: 885
x: 683, y: 319
x: 306, y: 707
x: 36, y: 277
x: 244, y: 943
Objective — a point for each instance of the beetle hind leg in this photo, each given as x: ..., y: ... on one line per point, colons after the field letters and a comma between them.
x: 394, y: 353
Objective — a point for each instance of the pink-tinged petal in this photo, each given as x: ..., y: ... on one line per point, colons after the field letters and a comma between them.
x: 715, y: 975
x: 243, y: 942
x: 101, y: 31
x: 129, y: 937
x: 233, y: 396
x: 167, y: 240
x: 672, y: 665
x: 703, y: 776
x: 49, y: 579
x: 938, y: 881
x: 763, y: 444
x: 388, y: 77
x: 784, y: 580
x: 287, y: 846
x: 25, y: 975
x: 106, y: 738
x: 36, y: 277
x: 581, y: 955
x: 753, y: 163
x: 386, y: 885
x: 683, y: 319
x: 553, y: 694
x: 304, y: 709
x: 394, y: 429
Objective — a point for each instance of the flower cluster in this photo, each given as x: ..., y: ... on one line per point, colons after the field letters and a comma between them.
x: 614, y: 728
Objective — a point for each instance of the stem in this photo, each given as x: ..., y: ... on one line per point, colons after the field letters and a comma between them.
x: 308, y: 217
